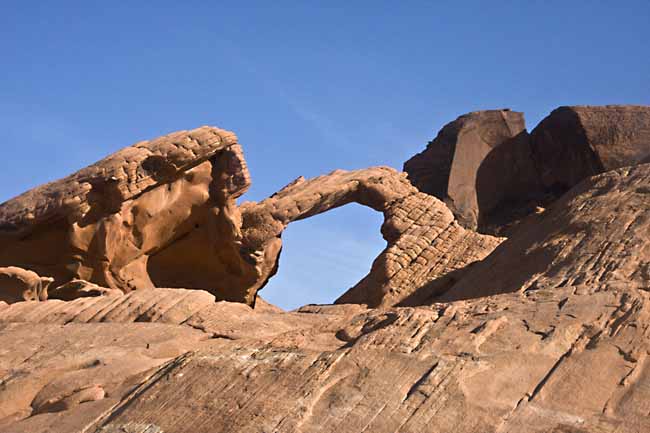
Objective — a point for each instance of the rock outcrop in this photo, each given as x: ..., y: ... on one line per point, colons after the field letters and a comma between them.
x: 17, y: 284
x: 424, y: 242
x: 595, y: 237
x: 573, y: 143
x: 160, y: 212
x: 186, y: 230
x: 492, y: 173
x: 477, y: 164
x: 451, y: 330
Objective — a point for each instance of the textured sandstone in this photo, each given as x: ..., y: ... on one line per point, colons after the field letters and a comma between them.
x: 163, y: 213
x: 594, y: 236
x: 566, y: 360
x: 160, y: 212
x: 424, y: 241
x: 451, y: 331
x: 564, y: 349
x: 81, y: 289
x: 573, y: 143
x: 477, y: 163
x: 62, y: 378
x: 556, y: 361
x: 17, y: 284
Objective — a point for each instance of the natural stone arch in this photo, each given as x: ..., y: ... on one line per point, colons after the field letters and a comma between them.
x: 423, y: 239
x: 324, y: 255
x: 163, y: 213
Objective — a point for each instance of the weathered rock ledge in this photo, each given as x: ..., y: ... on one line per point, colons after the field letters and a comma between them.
x: 451, y: 331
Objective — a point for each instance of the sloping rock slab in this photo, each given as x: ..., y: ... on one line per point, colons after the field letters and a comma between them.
x: 565, y: 360
x: 596, y: 235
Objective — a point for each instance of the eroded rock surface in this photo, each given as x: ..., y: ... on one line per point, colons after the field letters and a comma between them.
x: 18, y: 284
x: 160, y: 212
x: 477, y: 163
x: 564, y: 359
x: 424, y: 241
x: 451, y: 331
x: 573, y: 143
x: 594, y: 236
x: 163, y: 213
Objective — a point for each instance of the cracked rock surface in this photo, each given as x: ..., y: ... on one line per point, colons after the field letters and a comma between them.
x: 566, y: 357
x: 154, y: 323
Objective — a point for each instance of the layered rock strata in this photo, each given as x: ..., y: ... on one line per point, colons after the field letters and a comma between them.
x: 595, y: 236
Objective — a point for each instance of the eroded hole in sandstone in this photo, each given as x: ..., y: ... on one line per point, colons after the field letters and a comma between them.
x: 323, y: 256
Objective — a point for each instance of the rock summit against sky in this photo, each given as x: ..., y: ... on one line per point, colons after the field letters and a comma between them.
x: 511, y: 295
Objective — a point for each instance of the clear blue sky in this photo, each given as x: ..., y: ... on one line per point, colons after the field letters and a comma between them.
x: 307, y: 86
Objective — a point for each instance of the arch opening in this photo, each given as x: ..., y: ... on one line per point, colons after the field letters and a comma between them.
x: 325, y: 255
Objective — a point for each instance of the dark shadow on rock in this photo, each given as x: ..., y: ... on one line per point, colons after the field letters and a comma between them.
x: 507, y: 186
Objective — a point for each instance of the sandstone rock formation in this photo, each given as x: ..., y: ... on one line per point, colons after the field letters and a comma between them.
x: 491, y: 172
x: 477, y: 163
x: 595, y: 237
x: 17, y: 284
x: 160, y: 212
x: 81, y: 289
x: 424, y: 242
x: 174, y: 223
x: 451, y: 330
x: 573, y: 143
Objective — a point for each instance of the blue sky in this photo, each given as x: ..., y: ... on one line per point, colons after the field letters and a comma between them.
x: 307, y: 86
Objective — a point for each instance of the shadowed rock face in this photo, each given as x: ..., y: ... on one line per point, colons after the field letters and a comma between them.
x: 573, y: 143
x: 476, y: 163
x: 594, y: 236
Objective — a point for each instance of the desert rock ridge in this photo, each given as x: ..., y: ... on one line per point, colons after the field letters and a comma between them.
x: 454, y: 329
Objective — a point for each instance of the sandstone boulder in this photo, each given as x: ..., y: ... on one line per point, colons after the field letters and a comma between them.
x: 477, y: 164
x: 573, y: 143
x: 160, y: 212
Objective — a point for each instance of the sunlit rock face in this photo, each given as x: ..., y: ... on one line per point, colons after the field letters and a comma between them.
x: 424, y: 242
x: 560, y: 345
x: 451, y: 330
x: 163, y: 214
x: 121, y: 222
